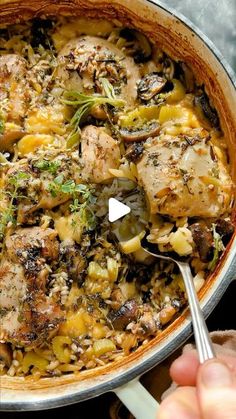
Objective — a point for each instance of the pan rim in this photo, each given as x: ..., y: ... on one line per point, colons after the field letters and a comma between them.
x: 183, y: 331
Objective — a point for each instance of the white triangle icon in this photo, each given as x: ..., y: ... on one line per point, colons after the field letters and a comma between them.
x: 116, y: 210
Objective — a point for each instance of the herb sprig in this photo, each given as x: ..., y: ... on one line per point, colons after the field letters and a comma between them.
x: 82, y: 197
x: 46, y: 165
x: 85, y: 103
x: 8, y: 216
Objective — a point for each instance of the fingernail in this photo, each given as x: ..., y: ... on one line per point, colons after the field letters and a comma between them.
x: 215, y: 374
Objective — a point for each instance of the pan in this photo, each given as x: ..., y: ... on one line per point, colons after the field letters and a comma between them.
x: 182, y: 41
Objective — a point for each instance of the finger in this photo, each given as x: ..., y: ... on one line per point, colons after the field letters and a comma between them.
x: 181, y: 404
x: 216, y: 390
x: 183, y: 370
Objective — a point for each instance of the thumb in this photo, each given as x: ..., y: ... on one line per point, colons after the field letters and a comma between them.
x: 216, y: 390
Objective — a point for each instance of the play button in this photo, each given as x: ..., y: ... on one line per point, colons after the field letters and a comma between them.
x: 116, y: 210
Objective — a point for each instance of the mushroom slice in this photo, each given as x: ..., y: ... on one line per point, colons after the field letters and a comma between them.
x: 150, y: 85
x: 134, y: 152
x: 209, y: 112
x: 140, y: 133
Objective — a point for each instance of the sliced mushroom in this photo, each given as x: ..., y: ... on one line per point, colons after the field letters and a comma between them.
x: 140, y: 134
x: 168, y: 68
x: 203, y: 240
x: 5, y: 354
x: 150, y: 85
x: 126, y: 313
x: 207, y: 110
x: 134, y: 152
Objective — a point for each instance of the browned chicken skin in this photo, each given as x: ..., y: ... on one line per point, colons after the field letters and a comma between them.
x: 15, y: 93
x: 28, y: 314
x: 182, y: 179
x: 13, y: 83
x: 83, y: 61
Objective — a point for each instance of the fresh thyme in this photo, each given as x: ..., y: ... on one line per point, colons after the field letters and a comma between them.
x: 46, y: 165
x: 85, y: 103
x: 8, y: 216
x: 54, y: 188
x: 83, y: 209
x: 82, y: 199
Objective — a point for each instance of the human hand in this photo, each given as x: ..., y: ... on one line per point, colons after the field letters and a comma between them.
x: 205, y: 391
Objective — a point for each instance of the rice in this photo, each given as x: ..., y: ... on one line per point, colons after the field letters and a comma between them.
x: 99, y: 294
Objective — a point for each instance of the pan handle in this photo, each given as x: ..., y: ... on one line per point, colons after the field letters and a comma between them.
x: 138, y: 400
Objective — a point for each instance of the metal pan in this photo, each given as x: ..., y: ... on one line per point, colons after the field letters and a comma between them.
x: 183, y: 41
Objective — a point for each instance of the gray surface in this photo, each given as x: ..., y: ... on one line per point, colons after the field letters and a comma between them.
x: 216, y: 18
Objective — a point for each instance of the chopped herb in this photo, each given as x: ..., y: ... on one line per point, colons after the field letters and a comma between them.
x: 218, y: 247
x: 85, y: 103
x: 46, y: 165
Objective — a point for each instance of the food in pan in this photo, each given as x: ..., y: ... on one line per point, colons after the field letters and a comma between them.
x: 90, y: 110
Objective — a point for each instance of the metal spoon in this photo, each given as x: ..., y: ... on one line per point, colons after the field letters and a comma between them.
x: 201, y: 334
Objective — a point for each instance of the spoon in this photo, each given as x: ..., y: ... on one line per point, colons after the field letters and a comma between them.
x: 201, y: 334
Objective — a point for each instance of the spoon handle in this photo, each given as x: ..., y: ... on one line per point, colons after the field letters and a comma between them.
x: 201, y: 334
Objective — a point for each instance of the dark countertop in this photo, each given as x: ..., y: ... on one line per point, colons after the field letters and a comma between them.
x: 216, y: 18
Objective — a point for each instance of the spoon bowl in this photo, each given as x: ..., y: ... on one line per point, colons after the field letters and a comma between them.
x: 202, y: 338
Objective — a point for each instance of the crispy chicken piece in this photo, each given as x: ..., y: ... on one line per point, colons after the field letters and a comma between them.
x: 184, y: 178
x: 13, y: 83
x: 14, y: 93
x: 86, y: 59
x: 32, y: 243
x: 100, y: 152
x: 28, y: 314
